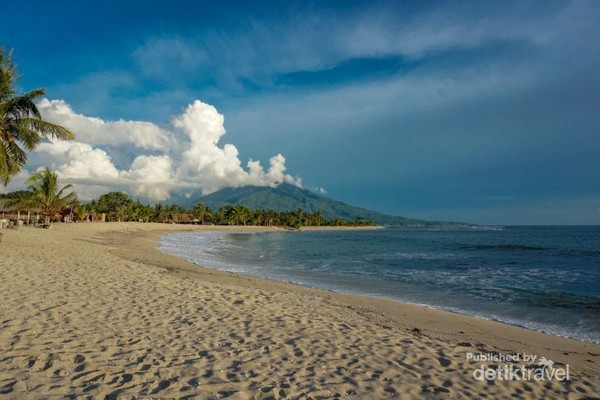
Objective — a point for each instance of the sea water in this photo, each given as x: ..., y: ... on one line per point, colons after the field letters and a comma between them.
x: 545, y: 278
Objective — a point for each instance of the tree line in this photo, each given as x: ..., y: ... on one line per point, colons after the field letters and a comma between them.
x: 45, y: 197
x: 53, y: 204
x: 118, y: 206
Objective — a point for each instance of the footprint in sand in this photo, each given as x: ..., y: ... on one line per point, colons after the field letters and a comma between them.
x: 126, y: 378
x: 8, y: 387
x: 162, y: 385
x: 444, y: 362
x: 43, y: 363
x: 194, y: 382
x: 79, y: 360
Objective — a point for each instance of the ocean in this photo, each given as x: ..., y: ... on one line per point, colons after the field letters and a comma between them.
x: 545, y: 278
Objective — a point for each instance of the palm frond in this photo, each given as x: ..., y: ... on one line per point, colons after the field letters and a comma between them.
x: 12, y: 159
x: 21, y: 123
x: 23, y: 132
x: 62, y: 190
x: 19, y: 107
x: 45, y: 128
x: 7, y: 76
x: 43, y: 193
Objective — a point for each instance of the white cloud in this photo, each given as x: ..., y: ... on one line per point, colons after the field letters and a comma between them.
x: 78, y: 160
x: 95, y: 131
x: 190, y: 158
x: 274, y: 175
x: 213, y: 167
x: 151, y: 176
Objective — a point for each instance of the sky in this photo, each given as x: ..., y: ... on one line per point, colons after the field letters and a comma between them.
x: 485, y: 112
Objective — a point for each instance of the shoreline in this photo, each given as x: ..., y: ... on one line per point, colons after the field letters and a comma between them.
x: 377, y: 301
x: 514, y: 323
x: 399, y: 348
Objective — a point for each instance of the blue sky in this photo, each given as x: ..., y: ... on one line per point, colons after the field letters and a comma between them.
x: 485, y: 112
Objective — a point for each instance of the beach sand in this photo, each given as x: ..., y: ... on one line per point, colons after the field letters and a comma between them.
x: 94, y: 310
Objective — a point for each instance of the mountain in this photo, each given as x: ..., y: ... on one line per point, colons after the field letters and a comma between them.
x: 286, y: 197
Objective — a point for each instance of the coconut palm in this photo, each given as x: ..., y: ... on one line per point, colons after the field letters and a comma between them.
x: 44, y: 195
x: 240, y: 214
x: 202, y: 212
x: 21, y: 125
x: 82, y: 212
x: 317, y: 218
x: 160, y: 213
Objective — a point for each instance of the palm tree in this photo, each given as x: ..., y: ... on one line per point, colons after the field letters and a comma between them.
x: 300, y: 217
x: 240, y: 214
x: 82, y: 212
x: 21, y: 124
x: 43, y: 195
x: 270, y: 216
x: 121, y: 213
x: 317, y: 218
x: 161, y: 213
x: 145, y: 212
x: 201, y: 211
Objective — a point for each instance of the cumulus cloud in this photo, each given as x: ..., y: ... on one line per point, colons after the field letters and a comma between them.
x: 184, y: 158
x: 77, y: 160
x: 275, y: 174
x: 151, y: 176
x: 211, y: 167
x: 95, y: 131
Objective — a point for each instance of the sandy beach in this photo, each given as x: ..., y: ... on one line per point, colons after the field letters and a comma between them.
x: 95, y: 310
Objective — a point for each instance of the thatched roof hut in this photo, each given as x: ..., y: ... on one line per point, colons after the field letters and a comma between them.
x: 14, y: 212
x: 181, y: 218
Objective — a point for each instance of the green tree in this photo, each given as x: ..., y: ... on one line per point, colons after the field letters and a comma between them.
x: 21, y: 124
x: 233, y: 215
x: 202, y: 212
x: 220, y: 217
x: 241, y: 214
x: 12, y: 195
x: 258, y: 218
x: 160, y: 213
x: 110, y: 202
x: 317, y: 218
x: 300, y: 217
x: 43, y: 195
x: 114, y: 204
x: 138, y: 211
x: 269, y: 217
x: 82, y: 212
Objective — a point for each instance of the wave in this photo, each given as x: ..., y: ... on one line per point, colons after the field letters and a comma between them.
x: 561, y: 299
x: 509, y: 247
x: 487, y: 227
x: 579, y: 253
x: 552, y: 329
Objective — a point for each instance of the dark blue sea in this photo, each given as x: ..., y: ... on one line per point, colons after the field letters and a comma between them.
x: 545, y: 278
